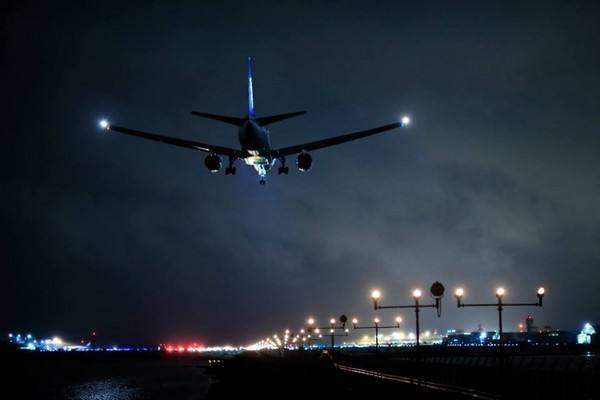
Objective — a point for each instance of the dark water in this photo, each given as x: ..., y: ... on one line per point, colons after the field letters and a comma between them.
x: 106, y: 389
x: 106, y: 376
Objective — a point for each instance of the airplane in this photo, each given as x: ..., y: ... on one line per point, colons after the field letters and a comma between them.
x: 255, y: 142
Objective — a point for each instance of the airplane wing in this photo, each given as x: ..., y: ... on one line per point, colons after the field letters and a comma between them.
x: 319, y: 144
x: 209, y: 148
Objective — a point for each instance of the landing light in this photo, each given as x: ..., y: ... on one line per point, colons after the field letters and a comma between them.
x: 405, y: 120
x: 376, y: 295
x: 104, y: 124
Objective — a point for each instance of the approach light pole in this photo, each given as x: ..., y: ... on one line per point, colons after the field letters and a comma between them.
x: 500, y: 292
x: 377, y: 327
x: 303, y: 338
x: 332, y: 328
x: 437, y: 291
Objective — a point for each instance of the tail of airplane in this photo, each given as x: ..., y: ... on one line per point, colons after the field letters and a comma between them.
x: 251, y: 115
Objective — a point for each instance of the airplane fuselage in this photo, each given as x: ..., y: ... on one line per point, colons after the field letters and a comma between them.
x: 255, y: 141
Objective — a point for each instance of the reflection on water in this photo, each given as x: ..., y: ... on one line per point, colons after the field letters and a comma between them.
x: 105, y: 389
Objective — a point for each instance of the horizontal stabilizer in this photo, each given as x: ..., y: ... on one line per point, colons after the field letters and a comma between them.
x: 223, y: 118
x: 276, y: 118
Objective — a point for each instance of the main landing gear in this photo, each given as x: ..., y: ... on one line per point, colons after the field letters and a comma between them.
x: 283, y: 169
x: 230, y: 170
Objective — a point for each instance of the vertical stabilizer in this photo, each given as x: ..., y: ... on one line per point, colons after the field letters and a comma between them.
x: 250, y: 91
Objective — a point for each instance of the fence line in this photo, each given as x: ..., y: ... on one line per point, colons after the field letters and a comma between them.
x: 467, y: 392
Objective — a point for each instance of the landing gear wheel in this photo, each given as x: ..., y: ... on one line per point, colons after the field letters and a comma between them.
x: 283, y: 170
x: 262, y: 182
x: 230, y: 170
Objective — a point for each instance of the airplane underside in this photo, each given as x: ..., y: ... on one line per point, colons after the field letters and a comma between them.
x: 261, y: 164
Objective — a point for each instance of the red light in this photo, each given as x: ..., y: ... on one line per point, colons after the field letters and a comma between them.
x: 183, y: 347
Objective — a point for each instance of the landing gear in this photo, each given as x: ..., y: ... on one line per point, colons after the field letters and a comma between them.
x: 231, y: 169
x: 262, y: 182
x: 283, y: 169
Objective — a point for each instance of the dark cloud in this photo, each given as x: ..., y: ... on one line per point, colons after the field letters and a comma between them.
x: 496, y: 182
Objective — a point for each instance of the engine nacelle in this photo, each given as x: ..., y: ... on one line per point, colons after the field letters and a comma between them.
x: 304, y: 161
x: 213, y: 162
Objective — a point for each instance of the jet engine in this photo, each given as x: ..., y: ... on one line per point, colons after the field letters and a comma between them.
x: 304, y: 161
x: 213, y: 162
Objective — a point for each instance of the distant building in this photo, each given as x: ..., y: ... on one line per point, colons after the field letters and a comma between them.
x: 476, y: 338
x: 587, y: 333
x: 529, y: 324
x: 483, y: 338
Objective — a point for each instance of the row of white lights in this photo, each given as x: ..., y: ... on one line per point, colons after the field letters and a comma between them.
x: 376, y: 294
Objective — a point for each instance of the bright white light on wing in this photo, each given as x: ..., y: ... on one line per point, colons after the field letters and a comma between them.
x: 405, y: 120
x: 103, y: 124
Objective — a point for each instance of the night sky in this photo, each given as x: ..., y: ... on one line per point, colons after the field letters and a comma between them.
x: 496, y: 182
